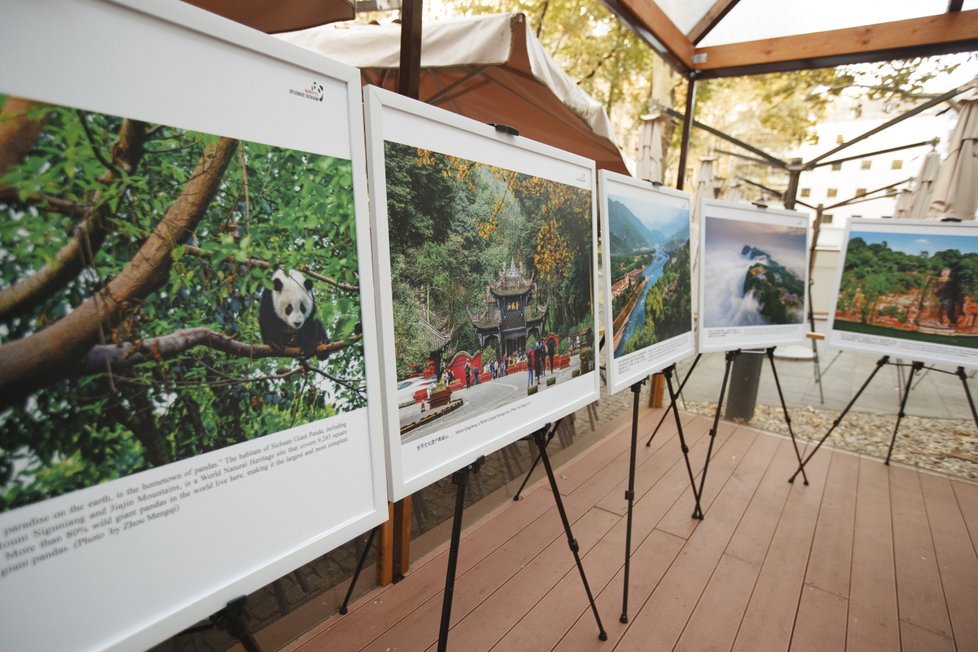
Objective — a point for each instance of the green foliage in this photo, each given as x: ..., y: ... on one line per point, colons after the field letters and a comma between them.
x: 872, y: 271
x: 282, y: 207
x: 668, y: 303
x: 495, y: 217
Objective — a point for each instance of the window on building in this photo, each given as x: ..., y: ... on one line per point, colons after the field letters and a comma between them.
x: 837, y: 166
x: 860, y: 192
x: 865, y: 164
x: 806, y: 192
x: 839, y: 139
x: 832, y: 192
x: 825, y: 218
x: 897, y: 164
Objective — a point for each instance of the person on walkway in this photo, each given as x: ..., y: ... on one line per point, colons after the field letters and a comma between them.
x: 529, y: 365
x: 468, y: 375
x: 541, y: 360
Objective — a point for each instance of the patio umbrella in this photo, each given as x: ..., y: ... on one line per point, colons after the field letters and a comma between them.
x: 733, y: 191
x: 281, y: 15
x: 650, y: 148
x: 489, y: 68
x: 705, y: 190
x: 901, y: 209
x: 956, y: 189
x: 924, y: 186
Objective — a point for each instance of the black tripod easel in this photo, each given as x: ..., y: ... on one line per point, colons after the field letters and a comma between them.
x: 915, y: 367
x: 630, y: 492
x: 730, y: 357
x: 460, y: 478
x: 679, y: 393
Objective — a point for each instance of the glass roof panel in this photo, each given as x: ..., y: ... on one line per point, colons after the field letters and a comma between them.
x: 751, y: 20
x: 686, y: 13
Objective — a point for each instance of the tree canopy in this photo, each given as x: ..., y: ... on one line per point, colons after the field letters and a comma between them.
x: 455, y: 223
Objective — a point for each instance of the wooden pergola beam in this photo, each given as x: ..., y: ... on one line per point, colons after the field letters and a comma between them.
x: 949, y: 32
x: 654, y: 26
x: 710, y: 19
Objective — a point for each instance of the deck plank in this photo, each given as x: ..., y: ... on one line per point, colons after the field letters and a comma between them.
x: 830, y: 562
x: 874, y: 622
x: 735, y: 443
x: 769, y: 619
x: 382, y: 609
x: 920, y: 594
x: 662, y: 618
x: 821, y: 621
x: 714, y: 623
x: 866, y: 557
x: 967, y: 496
x: 920, y: 639
x: 718, y: 629
x: 671, y: 488
x: 956, y: 558
x: 650, y: 560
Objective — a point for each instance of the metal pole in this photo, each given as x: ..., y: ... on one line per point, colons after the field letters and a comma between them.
x: 687, y: 128
x: 409, y: 76
x: 630, y: 497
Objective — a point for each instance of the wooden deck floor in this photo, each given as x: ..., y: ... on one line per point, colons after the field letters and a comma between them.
x: 866, y: 557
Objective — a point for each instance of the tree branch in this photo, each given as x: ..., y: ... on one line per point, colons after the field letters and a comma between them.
x: 38, y: 360
x: 262, y: 264
x: 167, y: 347
x: 96, y: 151
x: 87, y: 239
x: 45, y: 202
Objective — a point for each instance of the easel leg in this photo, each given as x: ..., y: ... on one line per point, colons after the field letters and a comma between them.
x: 460, y: 479
x: 630, y: 496
x: 571, y: 541
x: 914, y: 368
x: 550, y: 435
x: 731, y: 356
x: 784, y: 408
x: 682, y: 437
x: 967, y: 392
x: 356, y: 573
x: 801, y: 467
x: 679, y: 393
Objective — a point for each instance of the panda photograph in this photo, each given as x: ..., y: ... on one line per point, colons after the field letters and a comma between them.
x: 164, y: 293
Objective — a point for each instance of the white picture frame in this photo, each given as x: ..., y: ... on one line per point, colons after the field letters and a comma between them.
x: 651, y: 221
x: 735, y: 240
x: 913, y: 322
x: 169, y: 63
x: 458, y: 440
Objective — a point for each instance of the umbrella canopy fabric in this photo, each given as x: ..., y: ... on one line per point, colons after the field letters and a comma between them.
x: 650, y: 148
x: 956, y: 189
x: 281, y: 15
x: 924, y: 186
x: 489, y: 68
x: 901, y: 209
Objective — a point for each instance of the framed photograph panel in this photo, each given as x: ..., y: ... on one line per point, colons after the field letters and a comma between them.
x: 753, y: 276
x: 486, y: 263
x: 188, y: 361
x: 908, y: 289
x: 647, y: 277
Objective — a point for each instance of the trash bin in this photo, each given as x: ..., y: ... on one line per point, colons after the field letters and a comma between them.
x: 744, y: 378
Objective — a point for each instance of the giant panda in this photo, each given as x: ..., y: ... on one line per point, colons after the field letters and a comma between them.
x: 287, y: 315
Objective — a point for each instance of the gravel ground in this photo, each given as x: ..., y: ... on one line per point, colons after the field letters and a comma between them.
x: 944, y: 445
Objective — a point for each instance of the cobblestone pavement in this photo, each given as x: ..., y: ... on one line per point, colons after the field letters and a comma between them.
x: 944, y: 445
